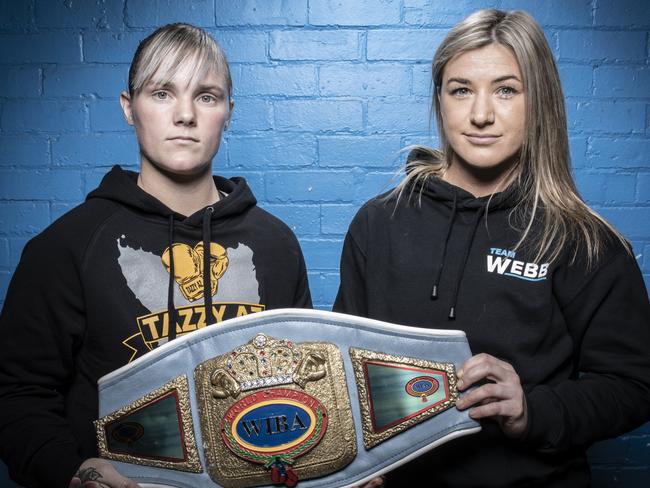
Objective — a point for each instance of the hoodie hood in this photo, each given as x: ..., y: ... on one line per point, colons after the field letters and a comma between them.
x: 440, y: 190
x: 120, y: 186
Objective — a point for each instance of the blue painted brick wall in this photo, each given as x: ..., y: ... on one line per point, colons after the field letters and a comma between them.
x: 327, y: 92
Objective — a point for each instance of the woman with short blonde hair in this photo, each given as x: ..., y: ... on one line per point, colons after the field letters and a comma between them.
x: 149, y: 256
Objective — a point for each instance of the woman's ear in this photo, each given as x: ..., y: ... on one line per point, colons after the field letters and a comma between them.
x: 125, y: 101
x: 439, y: 100
x: 231, y: 107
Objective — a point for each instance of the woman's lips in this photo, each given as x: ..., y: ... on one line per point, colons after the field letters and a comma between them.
x: 183, y: 140
x: 482, y: 139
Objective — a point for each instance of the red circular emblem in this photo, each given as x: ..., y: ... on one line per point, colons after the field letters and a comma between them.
x: 422, y: 386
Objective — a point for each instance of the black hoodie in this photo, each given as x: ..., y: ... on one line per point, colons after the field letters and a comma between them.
x: 96, y: 290
x: 577, y: 336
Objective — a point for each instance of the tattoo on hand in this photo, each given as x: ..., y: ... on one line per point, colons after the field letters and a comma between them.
x: 90, y: 474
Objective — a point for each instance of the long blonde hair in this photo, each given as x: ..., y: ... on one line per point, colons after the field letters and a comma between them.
x: 543, y: 172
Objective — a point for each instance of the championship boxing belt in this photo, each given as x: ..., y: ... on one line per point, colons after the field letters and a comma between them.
x: 283, y: 397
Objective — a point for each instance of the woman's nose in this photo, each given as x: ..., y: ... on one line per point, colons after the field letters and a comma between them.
x: 482, y: 110
x: 184, y: 113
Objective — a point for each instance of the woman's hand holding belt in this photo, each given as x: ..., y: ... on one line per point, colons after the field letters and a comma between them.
x: 500, y: 398
x: 99, y: 473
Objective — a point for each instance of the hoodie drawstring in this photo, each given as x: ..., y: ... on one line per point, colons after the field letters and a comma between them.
x: 463, y: 263
x: 171, y: 309
x: 207, y: 285
x: 443, y: 254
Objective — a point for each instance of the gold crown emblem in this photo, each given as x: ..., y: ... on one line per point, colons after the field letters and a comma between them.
x: 188, y: 267
x: 266, y: 361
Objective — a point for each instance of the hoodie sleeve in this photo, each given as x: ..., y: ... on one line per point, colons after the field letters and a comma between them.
x: 351, y: 297
x: 41, y: 325
x: 608, y: 316
x: 303, y: 296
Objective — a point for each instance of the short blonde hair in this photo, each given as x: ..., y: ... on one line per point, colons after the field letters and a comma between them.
x: 167, y: 48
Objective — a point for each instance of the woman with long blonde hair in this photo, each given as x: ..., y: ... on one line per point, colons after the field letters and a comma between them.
x: 489, y: 235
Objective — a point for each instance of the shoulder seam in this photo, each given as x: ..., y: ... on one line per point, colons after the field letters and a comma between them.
x: 591, y: 277
x: 93, y: 234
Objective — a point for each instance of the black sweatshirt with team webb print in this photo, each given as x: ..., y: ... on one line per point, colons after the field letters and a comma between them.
x: 577, y: 336
x: 92, y: 293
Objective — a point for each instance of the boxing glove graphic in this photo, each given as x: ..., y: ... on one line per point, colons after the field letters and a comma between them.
x: 188, y: 268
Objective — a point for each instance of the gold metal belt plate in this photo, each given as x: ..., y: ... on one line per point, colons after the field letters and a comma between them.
x: 275, y: 410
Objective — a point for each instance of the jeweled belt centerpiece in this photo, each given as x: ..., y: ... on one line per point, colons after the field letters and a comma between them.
x: 280, y: 407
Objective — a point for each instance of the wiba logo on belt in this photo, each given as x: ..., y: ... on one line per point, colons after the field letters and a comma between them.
x: 503, y: 262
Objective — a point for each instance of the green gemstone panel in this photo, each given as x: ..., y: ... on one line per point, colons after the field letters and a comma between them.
x: 152, y: 431
x: 390, y: 403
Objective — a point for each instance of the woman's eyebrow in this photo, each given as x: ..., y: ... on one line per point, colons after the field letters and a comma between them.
x: 209, y: 87
x: 462, y: 81
x: 505, y: 78
x: 157, y: 85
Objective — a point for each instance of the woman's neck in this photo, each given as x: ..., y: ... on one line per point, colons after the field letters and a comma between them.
x: 183, y: 194
x: 480, y: 182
